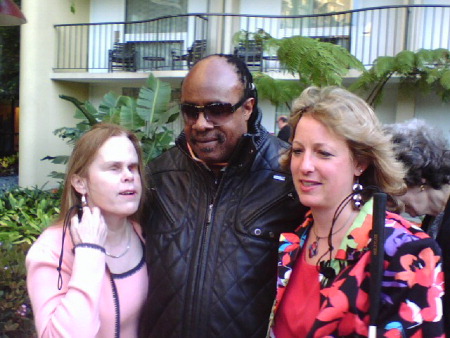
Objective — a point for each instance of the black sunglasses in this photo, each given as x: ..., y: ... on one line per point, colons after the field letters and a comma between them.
x: 215, y: 113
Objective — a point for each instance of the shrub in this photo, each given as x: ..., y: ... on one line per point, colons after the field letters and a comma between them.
x: 8, y: 165
x: 16, y: 318
x: 25, y: 212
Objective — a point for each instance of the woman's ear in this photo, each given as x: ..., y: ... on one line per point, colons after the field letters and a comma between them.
x: 79, y: 184
x: 360, y: 168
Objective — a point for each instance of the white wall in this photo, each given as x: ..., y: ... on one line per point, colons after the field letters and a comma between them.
x: 431, y: 108
x: 197, y: 6
x: 114, y: 11
x: 41, y: 110
x: 97, y: 91
x: 263, y: 7
x: 268, y: 115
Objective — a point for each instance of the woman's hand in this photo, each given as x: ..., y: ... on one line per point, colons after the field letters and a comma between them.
x: 91, y: 229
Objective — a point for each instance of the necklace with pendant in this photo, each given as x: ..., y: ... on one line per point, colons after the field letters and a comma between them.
x: 313, y: 248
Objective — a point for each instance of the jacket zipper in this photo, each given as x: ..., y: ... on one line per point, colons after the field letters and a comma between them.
x: 209, y: 217
x: 203, y: 252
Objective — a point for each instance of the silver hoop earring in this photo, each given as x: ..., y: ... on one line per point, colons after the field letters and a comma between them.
x: 357, y: 198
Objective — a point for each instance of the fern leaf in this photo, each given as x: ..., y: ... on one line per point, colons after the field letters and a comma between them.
x: 405, y: 62
x: 278, y: 92
x: 383, y: 65
x: 317, y: 63
x: 432, y: 76
x: 445, y: 79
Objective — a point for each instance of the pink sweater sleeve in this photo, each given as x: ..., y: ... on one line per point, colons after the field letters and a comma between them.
x: 72, y: 311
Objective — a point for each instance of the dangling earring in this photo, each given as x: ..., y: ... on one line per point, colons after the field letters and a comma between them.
x: 357, y: 198
x: 422, y: 187
x: 83, y: 201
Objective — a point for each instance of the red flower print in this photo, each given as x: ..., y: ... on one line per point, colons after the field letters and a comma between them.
x: 358, y: 270
x: 361, y: 235
x: 325, y: 330
x: 337, y: 306
x: 433, y: 312
x: 393, y: 333
x: 418, y: 270
x: 410, y: 312
x: 351, y: 323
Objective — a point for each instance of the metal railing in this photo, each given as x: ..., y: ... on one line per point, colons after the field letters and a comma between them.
x: 164, y: 43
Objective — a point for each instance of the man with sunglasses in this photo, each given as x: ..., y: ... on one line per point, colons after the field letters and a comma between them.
x: 219, y: 202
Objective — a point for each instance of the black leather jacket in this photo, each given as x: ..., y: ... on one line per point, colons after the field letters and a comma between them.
x: 212, y: 244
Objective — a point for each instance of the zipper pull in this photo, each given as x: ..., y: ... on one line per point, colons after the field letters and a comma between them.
x: 210, y: 208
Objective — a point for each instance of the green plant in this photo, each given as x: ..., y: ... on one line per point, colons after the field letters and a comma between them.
x: 260, y: 36
x: 8, y: 164
x: 419, y: 72
x: 278, y: 92
x: 16, y: 318
x: 25, y: 212
x: 147, y: 116
x: 314, y: 62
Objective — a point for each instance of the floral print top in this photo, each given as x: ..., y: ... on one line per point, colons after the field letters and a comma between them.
x: 412, y: 284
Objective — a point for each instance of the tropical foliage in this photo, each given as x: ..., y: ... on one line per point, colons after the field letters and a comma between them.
x: 421, y: 72
x: 148, y: 116
x: 317, y: 63
x: 314, y: 62
x: 25, y: 212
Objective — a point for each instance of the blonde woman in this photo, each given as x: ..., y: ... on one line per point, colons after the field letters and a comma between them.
x: 339, y: 157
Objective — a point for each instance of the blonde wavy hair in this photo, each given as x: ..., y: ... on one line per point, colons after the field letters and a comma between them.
x: 350, y: 117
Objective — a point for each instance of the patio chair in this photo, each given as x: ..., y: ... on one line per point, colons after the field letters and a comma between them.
x: 251, y: 52
x: 122, y: 57
x: 194, y: 53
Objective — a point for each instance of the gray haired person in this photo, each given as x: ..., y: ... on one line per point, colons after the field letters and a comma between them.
x: 424, y: 150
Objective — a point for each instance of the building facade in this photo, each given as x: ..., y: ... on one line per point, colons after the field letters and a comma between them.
x: 63, y: 53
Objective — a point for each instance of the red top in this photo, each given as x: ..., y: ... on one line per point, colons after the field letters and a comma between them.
x: 300, y: 303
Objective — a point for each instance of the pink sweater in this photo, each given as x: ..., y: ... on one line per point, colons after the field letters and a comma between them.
x: 86, y: 304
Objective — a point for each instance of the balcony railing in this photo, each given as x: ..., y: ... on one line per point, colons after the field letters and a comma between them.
x: 174, y: 42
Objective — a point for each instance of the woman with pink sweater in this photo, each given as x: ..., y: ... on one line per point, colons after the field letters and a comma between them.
x: 86, y: 274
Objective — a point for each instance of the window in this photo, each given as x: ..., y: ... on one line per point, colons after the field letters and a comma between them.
x: 138, y: 10
x: 304, y: 7
x: 308, y: 7
x: 151, y: 9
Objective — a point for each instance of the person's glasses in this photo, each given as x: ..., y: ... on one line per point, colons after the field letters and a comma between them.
x: 215, y: 113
